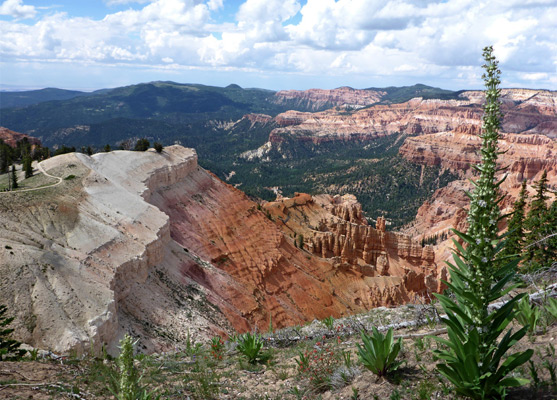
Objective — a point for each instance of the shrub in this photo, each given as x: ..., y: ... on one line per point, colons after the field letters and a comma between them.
x: 379, y: 352
x: 250, y: 346
x: 129, y: 386
x: 9, y: 348
x: 551, y: 310
x: 217, y: 347
x: 329, y: 323
x: 158, y: 147
x: 325, y: 366
x: 142, y: 145
x: 473, y: 360
x: 527, y: 315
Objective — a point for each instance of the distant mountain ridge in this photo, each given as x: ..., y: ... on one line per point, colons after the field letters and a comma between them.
x: 10, y: 99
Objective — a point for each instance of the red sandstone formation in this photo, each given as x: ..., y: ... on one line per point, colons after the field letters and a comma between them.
x: 318, y: 98
x: 525, y: 111
x: 525, y: 155
x: 381, y: 268
x: 11, y: 138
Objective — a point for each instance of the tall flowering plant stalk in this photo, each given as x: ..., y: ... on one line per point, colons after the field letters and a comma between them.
x: 474, y: 359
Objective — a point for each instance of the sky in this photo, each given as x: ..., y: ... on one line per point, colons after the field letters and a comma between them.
x: 275, y: 44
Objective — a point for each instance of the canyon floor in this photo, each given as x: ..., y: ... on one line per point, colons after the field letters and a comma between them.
x: 198, y: 374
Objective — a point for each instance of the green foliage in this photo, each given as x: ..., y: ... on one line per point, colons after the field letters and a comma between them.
x: 158, y: 147
x: 129, y: 385
x: 328, y: 322
x: 537, y: 254
x: 69, y: 177
x: 29, y: 97
x: 551, y: 310
x: 474, y: 358
x: 527, y: 315
x: 217, y: 347
x: 107, y: 148
x: 142, y: 145
x: 27, y: 167
x: 378, y: 353
x: 321, y: 363
x: 9, y: 348
x: 300, y: 241
x: 64, y: 149
x: 515, y: 237
x: 250, y: 346
x: 15, y: 185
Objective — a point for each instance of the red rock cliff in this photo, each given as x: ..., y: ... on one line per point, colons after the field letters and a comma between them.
x: 382, y: 268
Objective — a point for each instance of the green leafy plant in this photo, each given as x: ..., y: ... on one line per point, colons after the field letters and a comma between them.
x: 9, y: 348
x: 551, y: 310
x: 527, y: 315
x: 217, y: 347
x: 192, y: 348
x: 250, y: 346
x: 474, y: 358
x: 379, y: 352
x: 203, y: 380
x: 320, y: 363
x: 129, y: 385
x: 329, y: 322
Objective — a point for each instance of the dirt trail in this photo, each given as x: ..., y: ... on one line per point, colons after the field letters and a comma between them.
x: 38, y: 188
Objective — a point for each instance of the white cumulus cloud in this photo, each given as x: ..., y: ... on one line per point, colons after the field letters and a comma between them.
x: 16, y: 9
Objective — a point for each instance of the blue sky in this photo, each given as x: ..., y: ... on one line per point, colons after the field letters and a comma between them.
x: 275, y: 44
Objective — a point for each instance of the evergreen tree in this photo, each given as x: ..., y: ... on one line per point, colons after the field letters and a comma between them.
x: 9, y: 348
x: 515, y: 238
x: 4, y: 157
x: 27, y: 167
x: 158, y: 147
x: 107, y: 149
x: 535, y: 248
x: 549, y: 235
x: 14, y: 178
x: 142, y: 145
x: 301, y: 241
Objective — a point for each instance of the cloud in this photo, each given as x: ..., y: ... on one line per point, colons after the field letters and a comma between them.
x: 410, y: 39
x: 123, y: 2
x: 16, y: 9
x: 215, y: 4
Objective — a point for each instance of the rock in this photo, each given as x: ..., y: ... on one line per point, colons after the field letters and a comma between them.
x: 11, y: 138
x: 316, y: 99
x: 525, y: 111
x: 373, y: 267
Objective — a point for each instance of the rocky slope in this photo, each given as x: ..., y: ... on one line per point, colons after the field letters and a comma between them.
x: 11, y: 138
x: 318, y: 99
x: 383, y: 268
x: 525, y: 111
x: 154, y: 245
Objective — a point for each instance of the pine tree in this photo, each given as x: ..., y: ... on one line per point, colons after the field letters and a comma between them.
x: 4, y: 157
x: 549, y: 235
x: 142, y: 145
x: 9, y: 348
x: 535, y: 251
x: 14, y: 178
x: 515, y: 238
x: 27, y: 167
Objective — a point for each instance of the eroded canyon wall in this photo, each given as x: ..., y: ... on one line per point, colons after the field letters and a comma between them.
x: 154, y: 245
